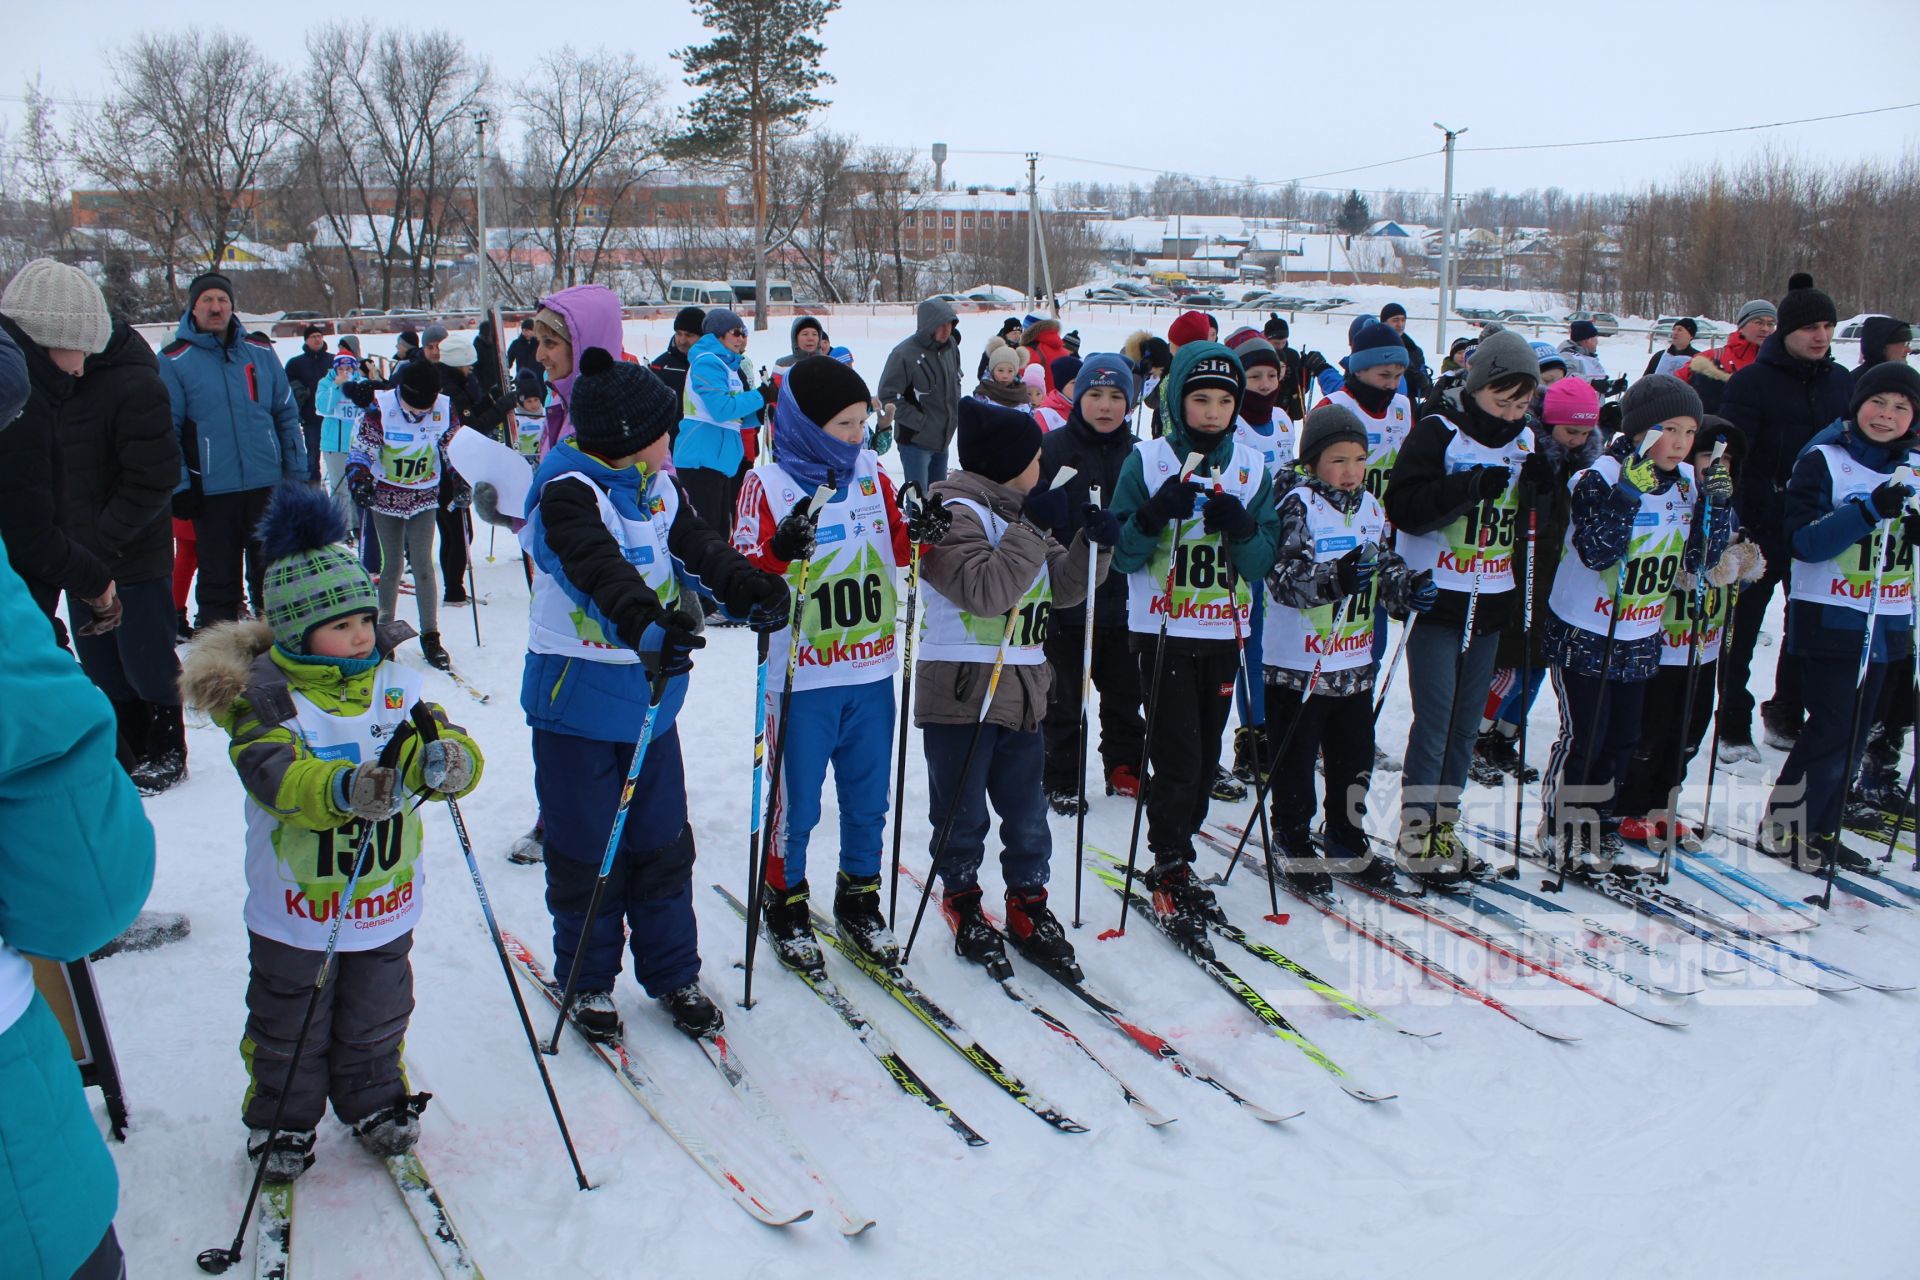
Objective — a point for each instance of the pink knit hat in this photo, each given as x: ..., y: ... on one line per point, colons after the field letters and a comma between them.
x: 1571, y: 402
x: 1035, y: 377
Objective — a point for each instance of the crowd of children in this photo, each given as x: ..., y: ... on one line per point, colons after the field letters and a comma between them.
x: 1238, y: 543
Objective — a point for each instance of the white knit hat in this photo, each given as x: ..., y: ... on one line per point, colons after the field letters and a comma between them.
x: 58, y: 306
x: 457, y: 352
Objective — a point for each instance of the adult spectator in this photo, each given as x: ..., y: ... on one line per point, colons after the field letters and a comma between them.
x: 122, y: 462
x: 1883, y: 339
x: 56, y: 317
x: 486, y: 367
x: 1791, y: 391
x: 1044, y: 345
x: 305, y: 372
x: 1582, y: 350
x: 919, y: 393
x: 1680, y: 349
x: 1419, y: 378
x: 719, y: 410
x: 240, y: 435
x: 807, y: 338
x: 671, y: 365
x: 523, y: 351
x: 1293, y: 376
x: 1711, y: 370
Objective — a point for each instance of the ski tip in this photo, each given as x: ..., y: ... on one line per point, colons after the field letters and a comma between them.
x: 1367, y: 1095
x: 1260, y: 1113
x: 853, y: 1227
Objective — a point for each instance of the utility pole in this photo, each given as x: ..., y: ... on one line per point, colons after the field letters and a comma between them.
x: 1446, y: 245
x: 1033, y: 227
x: 1040, y: 238
x: 482, y: 258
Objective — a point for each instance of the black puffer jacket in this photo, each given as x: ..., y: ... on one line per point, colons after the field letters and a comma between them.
x: 122, y: 461
x: 1098, y: 459
x: 31, y: 488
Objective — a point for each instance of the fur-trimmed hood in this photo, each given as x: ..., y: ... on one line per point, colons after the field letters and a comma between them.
x: 219, y: 662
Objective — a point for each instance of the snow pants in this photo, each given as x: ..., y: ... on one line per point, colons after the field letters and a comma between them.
x: 1005, y: 769
x: 1196, y: 695
x: 1811, y: 790
x: 352, y: 1055
x: 225, y: 533
x: 1117, y: 678
x: 851, y: 728
x: 1341, y: 729
x: 577, y: 782
x: 1670, y: 737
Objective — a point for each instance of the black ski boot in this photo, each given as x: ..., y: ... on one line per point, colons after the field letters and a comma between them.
x: 292, y: 1153
x: 693, y: 1013
x: 392, y: 1131
x: 1354, y: 856
x: 434, y: 652
x: 182, y: 629
x: 1437, y: 860
x: 1251, y: 748
x: 856, y: 909
x: 166, y: 760
x: 1065, y: 801
x: 1299, y: 860
x: 1502, y: 751
x: 973, y: 937
x: 1226, y: 788
x: 1036, y: 934
x: 594, y: 1013
x: 1183, y: 904
x: 1481, y: 770
x: 790, y: 925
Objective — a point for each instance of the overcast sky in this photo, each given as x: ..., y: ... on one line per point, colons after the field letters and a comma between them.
x: 1271, y: 89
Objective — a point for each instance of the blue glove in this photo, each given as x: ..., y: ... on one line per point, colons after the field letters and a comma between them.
x: 667, y: 645
x: 1424, y: 594
x: 1103, y: 527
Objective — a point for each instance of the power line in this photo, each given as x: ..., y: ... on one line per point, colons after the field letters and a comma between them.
x: 1696, y: 133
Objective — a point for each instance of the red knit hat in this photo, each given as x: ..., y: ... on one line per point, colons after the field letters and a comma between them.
x: 1189, y: 326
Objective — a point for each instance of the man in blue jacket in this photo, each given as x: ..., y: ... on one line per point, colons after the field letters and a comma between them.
x: 240, y: 435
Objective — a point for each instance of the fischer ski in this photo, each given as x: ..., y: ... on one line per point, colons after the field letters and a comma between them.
x: 897, y: 984
x: 273, y: 1232
x: 638, y: 1081
x: 874, y: 1041
x: 1239, y: 988
x: 429, y: 1213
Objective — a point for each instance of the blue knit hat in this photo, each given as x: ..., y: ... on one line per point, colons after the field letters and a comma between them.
x: 1104, y: 369
x: 1376, y: 344
x: 1064, y: 369
x: 720, y: 322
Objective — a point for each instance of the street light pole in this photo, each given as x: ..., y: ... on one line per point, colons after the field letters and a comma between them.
x: 1446, y: 245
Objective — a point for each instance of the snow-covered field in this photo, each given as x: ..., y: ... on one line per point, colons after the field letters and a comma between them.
x: 1773, y: 1136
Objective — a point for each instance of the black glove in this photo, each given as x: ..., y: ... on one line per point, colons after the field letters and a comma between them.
x: 928, y: 520
x: 1356, y: 574
x: 1536, y: 476
x: 666, y: 646
x: 1047, y: 508
x: 793, y: 539
x: 1889, y: 499
x: 765, y: 599
x: 1225, y: 514
x: 360, y: 393
x: 360, y: 485
x: 1103, y: 528
x: 1315, y: 364
x: 1173, y: 500
x: 1490, y: 482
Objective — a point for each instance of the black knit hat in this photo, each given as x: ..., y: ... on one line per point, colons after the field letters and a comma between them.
x: 618, y: 408
x: 996, y: 443
x: 1071, y: 341
x: 1275, y: 327
x: 1713, y: 430
x: 419, y: 385
x: 822, y: 387
x: 1805, y: 305
x: 1885, y: 378
x: 1155, y: 353
x: 1391, y: 310
x: 207, y: 280
x: 689, y: 320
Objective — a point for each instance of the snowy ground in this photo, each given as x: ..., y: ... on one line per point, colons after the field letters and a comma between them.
x: 1774, y: 1136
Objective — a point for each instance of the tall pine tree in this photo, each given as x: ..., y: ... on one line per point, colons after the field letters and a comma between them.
x: 1354, y: 214
x: 757, y: 75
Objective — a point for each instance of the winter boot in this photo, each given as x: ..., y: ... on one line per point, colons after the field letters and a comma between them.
x: 1354, y: 856
x: 1503, y: 752
x: 292, y: 1153
x: 1737, y: 750
x: 1647, y: 831
x: 1123, y: 780
x: 149, y: 930
x: 166, y: 762
x: 1481, y: 769
x: 974, y: 937
x: 1779, y: 728
x: 856, y: 909
x: 594, y: 1013
x: 133, y: 717
x: 1251, y: 748
x: 1227, y: 788
x: 1384, y: 763
x: 393, y: 1130
x: 1620, y: 857
x: 1036, y: 933
x: 1570, y: 847
x: 790, y: 925
x: 693, y: 1013
x: 1065, y: 801
x: 1300, y: 861
x: 1682, y: 835
x: 530, y: 850
x: 434, y: 652
x: 1185, y: 906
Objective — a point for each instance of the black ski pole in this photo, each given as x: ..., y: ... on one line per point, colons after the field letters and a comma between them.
x: 215, y: 1261
x: 429, y: 730
x: 1824, y: 899
x: 1719, y: 701
x: 473, y: 589
x: 1696, y: 621
x: 1522, y: 703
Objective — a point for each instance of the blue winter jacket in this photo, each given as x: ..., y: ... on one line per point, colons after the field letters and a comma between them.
x: 1820, y: 531
x: 715, y: 442
x: 233, y: 392
x: 76, y: 861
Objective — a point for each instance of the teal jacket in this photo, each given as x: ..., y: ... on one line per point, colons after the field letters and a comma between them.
x: 76, y: 861
x: 714, y: 415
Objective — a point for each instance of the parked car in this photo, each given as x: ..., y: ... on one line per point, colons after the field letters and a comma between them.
x: 1478, y: 315
x: 302, y: 315
x: 408, y: 311
x: 1536, y: 321
x: 1204, y: 298
x: 1706, y: 332
x: 363, y: 312
x: 1110, y: 295
x: 1136, y: 290
x: 1848, y: 331
x: 1605, y: 322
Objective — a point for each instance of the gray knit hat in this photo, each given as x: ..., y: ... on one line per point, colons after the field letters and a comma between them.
x: 433, y: 333
x: 58, y: 306
x: 1328, y: 425
x: 1503, y: 355
x: 1654, y: 400
x: 1755, y: 310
